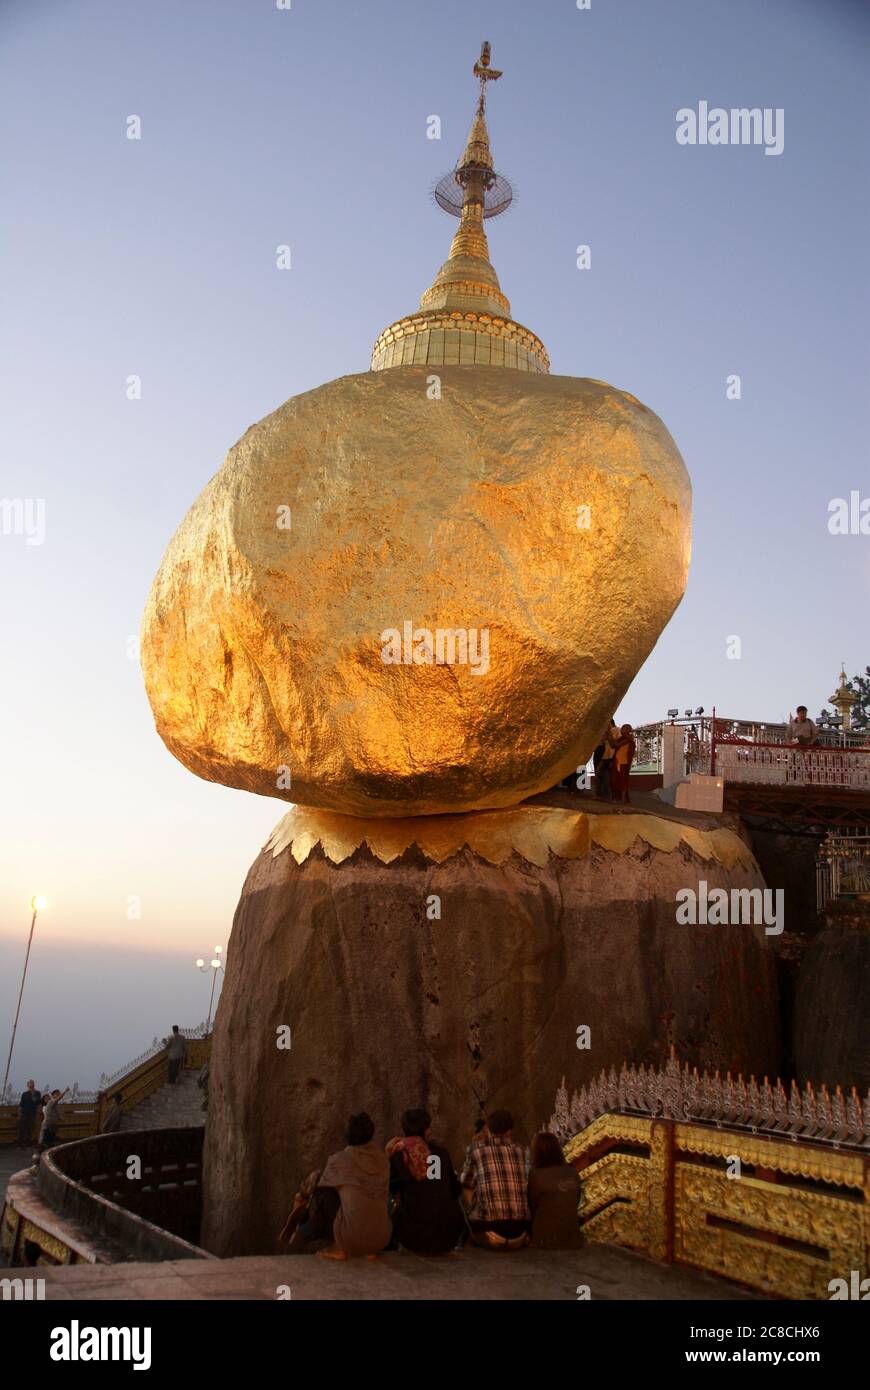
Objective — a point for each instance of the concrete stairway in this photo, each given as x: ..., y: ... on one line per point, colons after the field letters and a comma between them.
x: 171, y: 1106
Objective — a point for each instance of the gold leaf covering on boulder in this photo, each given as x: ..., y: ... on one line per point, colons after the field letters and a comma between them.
x: 263, y: 645
x: 418, y: 591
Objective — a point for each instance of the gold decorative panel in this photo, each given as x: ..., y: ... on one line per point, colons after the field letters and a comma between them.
x: 770, y: 1213
x: 794, y: 1217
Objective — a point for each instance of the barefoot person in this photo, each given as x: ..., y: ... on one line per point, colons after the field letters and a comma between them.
x: 360, y: 1174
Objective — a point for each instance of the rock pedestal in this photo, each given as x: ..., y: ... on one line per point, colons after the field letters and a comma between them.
x: 830, y: 1028
x: 549, y: 921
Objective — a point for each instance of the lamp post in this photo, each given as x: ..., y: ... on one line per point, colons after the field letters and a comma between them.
x: 38, y: 904
x: 214, y: 966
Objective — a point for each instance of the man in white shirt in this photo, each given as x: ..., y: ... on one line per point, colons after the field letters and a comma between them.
x: 802, y: 730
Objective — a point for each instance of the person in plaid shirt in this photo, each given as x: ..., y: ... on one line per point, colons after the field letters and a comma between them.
x: 495, y: 1185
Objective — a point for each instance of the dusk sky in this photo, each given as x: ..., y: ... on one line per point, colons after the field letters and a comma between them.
x: 307, y: 126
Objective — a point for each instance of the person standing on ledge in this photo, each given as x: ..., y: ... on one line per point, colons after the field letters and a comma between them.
x: 31, y: 1099
x: 602, y: 759
x: 802, y: 730
x: 623, y: 758
x: 176, y: 1052
x: 51, y: 1119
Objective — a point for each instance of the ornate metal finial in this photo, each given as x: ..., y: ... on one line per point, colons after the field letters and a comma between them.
x: 482, y: 69
x: 473, y: 187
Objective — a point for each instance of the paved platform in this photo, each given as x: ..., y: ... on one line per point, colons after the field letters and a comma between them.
x: 642, y: 803
x: 472, y: 1275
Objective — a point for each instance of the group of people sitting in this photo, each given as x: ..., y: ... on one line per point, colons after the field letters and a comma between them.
x: 368, y: 1199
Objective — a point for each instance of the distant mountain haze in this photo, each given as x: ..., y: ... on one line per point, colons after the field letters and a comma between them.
x: 89, y: 1009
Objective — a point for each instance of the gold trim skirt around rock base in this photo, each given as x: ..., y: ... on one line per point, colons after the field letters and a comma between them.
x: 532, y: 832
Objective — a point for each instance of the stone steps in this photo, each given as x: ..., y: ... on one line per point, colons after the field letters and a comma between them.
x: 170, y: 1107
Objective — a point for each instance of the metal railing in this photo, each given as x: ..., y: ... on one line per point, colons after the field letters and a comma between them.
x: 742, y: 750
x: 791, y: 765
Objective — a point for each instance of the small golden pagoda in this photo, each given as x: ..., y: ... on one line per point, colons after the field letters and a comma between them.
x: 843, y: 699
x: 464, y: 318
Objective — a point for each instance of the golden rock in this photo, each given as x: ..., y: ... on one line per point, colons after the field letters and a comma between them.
x: 406, y: 594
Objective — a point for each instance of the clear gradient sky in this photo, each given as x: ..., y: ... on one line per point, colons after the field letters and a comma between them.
x: 307, y: 126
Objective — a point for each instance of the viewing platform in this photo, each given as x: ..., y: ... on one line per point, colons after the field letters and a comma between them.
x: 764, y: 773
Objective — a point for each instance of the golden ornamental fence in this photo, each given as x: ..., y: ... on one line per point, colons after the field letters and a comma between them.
x: 745, y: 1181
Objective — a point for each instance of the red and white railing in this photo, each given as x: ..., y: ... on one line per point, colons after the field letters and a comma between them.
x: 761, y: 754
x: 791, y: 765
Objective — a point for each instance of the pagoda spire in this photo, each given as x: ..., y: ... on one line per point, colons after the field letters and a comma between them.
x: 474, y: 176
x: 464, y: 317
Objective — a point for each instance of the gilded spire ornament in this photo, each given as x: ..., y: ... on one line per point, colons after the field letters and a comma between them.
x: 464, y: 318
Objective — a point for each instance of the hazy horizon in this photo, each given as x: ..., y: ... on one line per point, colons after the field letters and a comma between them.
x: 72, y: 1032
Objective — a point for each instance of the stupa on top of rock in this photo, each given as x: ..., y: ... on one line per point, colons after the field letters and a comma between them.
x: 409, y: 600
x: 399, y: 584
x: 464, y: 318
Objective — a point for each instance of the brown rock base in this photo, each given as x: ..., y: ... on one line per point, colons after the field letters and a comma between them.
x: 391, y: 1006
x: 832, y: 1039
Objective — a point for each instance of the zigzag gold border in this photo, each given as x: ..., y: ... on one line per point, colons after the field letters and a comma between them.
x: 532, y: 832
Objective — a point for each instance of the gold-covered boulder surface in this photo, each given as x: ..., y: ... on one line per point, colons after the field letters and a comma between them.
x: 407, y: 594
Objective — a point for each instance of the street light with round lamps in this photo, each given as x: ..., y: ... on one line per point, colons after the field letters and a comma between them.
x: 214, y: 965
x: 38, y: 904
